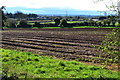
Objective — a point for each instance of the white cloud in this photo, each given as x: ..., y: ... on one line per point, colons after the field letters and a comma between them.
x: 76, y: 4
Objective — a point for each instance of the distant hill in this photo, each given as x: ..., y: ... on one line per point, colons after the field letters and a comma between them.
x: 54, y: 11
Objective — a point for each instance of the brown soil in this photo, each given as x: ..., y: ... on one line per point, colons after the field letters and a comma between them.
x: 67, y: 44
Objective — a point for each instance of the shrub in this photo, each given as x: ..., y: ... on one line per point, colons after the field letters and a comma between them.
x: 63, y: 23
x: 118, y: 22
x: 99, y: 23
x: 104, y: 22
x: 39, y: 70
x: 86, y: 23
x: 11, y: 23
x: 23, y: 24
x: 36, y: 59
x: 62, y: 64
x: 36, y: 24
x: 110, y: 46
x: 108, y: 22
x: 57, y: 21
x: 113, y: 22
x: 5, y: 59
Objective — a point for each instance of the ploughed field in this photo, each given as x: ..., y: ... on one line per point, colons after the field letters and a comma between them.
x: 69, y: 44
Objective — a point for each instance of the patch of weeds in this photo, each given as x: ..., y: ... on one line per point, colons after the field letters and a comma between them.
x: 39, y: 71
x: 29, y: 59
x: 61, y: 64
x: 110, y: 46
x: 36, y: 59
x: 5, y: 59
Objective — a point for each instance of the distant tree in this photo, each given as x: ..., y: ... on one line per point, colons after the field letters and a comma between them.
x: 22, y: 23
x: 57, y: 21
x: 63, y: 23
x: 113, y: 6
x: 32, y: 15
x: 20, y: 15
x: 37, y: 24
x: 11, y: 23
x: 108, y: 21
x: 113, y: 20
x: 100, y: 23
x: 9, y: 15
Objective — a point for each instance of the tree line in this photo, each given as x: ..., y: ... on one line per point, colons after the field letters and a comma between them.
x: 22, y: 22
x: 20, y: 15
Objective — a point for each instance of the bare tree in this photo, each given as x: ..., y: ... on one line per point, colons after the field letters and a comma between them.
x: 118, y: 8
x: 3, y: 7
x: 111, y: 5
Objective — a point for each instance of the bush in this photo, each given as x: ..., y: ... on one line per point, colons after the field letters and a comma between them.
x: 108, y: 22
x: 63, y: 23
x: 100, y: 23
x: 51, y: 25
x: 36, y: 24
x: 104, y: 22
x: 23, y: 24
x: 119, y: 23
x: 57, y: 21
x: 110, y: 46
x: 113, y: 22
x: 86, y: 23
x: 11, y: 23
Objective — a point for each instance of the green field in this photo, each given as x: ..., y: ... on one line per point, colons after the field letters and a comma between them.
x: 79, y: 27
x: 52, y: 22
x: 27, y: 64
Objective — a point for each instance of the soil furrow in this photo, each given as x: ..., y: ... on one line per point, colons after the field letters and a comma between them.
x: 71, y: 50
x: 57, y: 42
x: 65, y: 56
x: 38, y: 47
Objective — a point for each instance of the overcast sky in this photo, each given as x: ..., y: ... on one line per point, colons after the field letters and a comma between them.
x: 75, y: 4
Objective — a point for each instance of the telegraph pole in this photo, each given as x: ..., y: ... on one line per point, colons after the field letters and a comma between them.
x: 1, y: 16
x: 0, y: 40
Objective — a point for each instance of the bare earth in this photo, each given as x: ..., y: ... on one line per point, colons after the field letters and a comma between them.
x: 68, y: 44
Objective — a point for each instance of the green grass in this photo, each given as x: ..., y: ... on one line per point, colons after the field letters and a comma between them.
x: 34, y: 27
x: 93, y: 27
x: 50, y: 27
x: 80, y: 27
x: 74, y: 21
x: 31, y: 23
x: 48, y: 67
x: 52, y: 22
x: 72, y: 27
x: 86, y: 27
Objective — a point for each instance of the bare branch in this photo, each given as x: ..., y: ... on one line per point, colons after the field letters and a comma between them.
x: 3, y: 7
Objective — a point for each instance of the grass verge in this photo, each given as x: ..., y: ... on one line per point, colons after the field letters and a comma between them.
x: 27, y: 65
